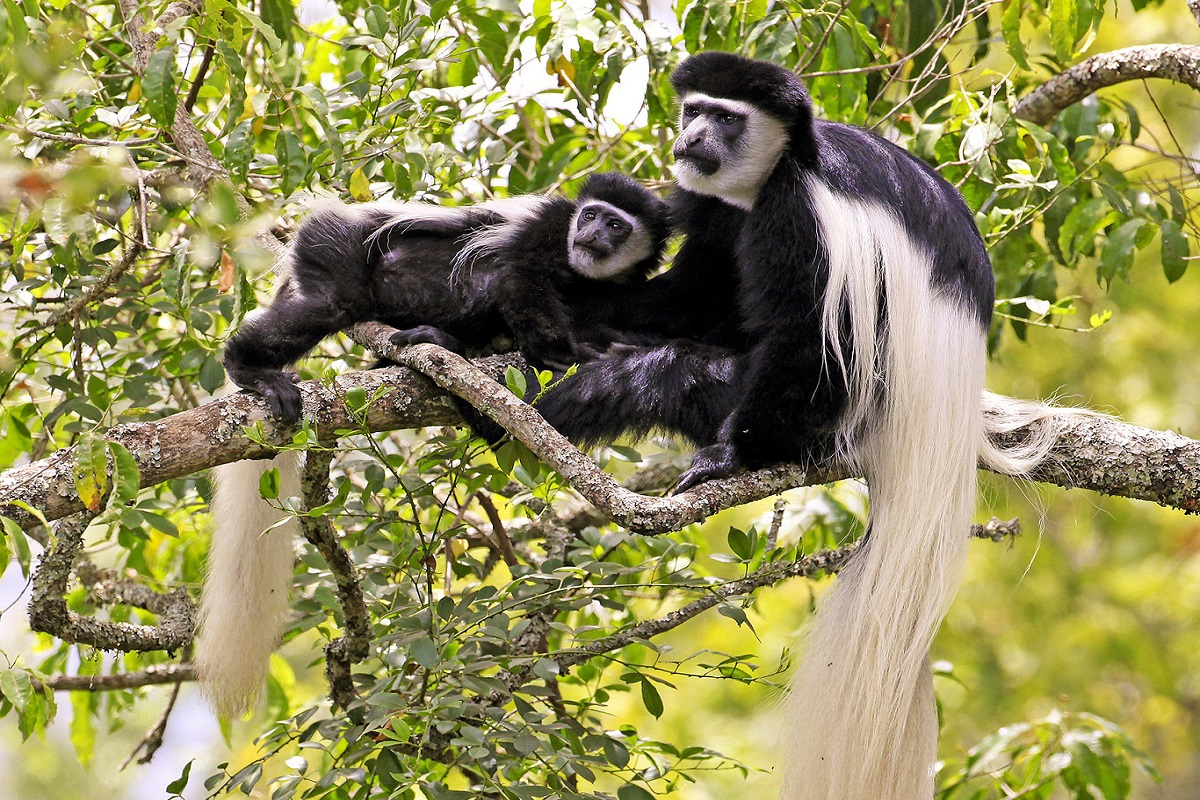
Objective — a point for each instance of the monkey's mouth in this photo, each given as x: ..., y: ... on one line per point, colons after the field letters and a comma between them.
x: 701, y: 164
x: 595, y: 252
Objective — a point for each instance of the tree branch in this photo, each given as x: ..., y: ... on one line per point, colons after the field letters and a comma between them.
x: 1096, y: 452
x: 648, y: 515
x: 1175, y: 62
x: 355, y: 644
x: 48, y: 610
x: 213, y: 434
x: 807, y: 566
x: 151, y: 676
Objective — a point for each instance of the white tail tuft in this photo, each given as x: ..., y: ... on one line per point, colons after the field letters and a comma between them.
x: 861, y: 723
x: 245, y: 601
x: 1042, y: 424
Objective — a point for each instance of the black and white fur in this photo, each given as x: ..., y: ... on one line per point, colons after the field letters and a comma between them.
x: 527, y: 268
x: 524, y: 267
x: 865, y: 293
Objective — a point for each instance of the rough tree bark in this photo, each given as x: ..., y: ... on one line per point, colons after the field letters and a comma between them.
x: 1097, y: 452
x: 1175, y: 62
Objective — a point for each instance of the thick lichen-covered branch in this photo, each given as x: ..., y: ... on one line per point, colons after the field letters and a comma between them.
x: 1175, y: 62
x: 1096, y: 452
x: 214, y: 434
x: 355, y: 644
x: 48, y: 611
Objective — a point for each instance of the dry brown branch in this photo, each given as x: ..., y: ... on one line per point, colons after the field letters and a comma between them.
x: 153, y: 740
x: 1175, y: 62
x: 828, y: 561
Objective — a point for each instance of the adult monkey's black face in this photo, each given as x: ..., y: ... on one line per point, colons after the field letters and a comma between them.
x: 726, y: 148
x: 710, y: 132
x: 736, y: 118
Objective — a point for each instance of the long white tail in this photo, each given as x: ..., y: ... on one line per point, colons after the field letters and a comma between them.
x: 245, y: 600
x: 860, y: 721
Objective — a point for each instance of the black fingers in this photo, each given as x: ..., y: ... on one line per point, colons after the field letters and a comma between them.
x: 708, y: 463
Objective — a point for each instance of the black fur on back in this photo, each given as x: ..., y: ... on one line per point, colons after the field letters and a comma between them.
x: 350, y: 264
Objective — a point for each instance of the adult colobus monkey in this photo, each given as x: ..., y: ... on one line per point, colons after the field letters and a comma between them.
x: 529, y: 267
x: 866, y: 292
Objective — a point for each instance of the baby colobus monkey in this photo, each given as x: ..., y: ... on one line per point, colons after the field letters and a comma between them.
x: 525, y: 267
x: 865, y: 293
x: 528, y: 268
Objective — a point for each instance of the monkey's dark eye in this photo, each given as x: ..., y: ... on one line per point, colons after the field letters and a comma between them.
x: 616, y: 226
x: 690, y: 112
x: 589, y: 215
x: 729, y: 119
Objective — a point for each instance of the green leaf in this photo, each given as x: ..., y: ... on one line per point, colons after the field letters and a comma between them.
x: 1064, y: 18
x: 212, y: 374
x: 356, y: 399
x: 239, y: 149
x: 18, y: 31
x: 90, y: 461
x: 16, y: 686
x: 377, y: 21
x: 83, y: 726
x: 424, y: 652
x: 179, y: 784
x: 1175, y: 250
x: 546, y: 669
x: 105, y: 246
x: 126, y: 477
x: 1118, y: 252
x: 651, y: 698
x: 268, y: 33
x: 739, y: 544
x: 20, y: 542
x: 235, y: 72
x: 159, y: 95
x: 268, y: 484
x: 615, y: 752
x: 514, y: 379
x: 293, y: 161
x: 280, y: 15
x: 5, y: 554
x: 626, y: 453
x: 631, y: 791
x: 360, y: 186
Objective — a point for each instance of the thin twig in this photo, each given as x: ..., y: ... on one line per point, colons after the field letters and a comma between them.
x: 79, y: 140
x: 153, y: 739
x: 503, y: 544
x: 201, y: 73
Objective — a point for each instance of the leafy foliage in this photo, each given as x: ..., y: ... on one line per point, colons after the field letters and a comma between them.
x: 128, y: 262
